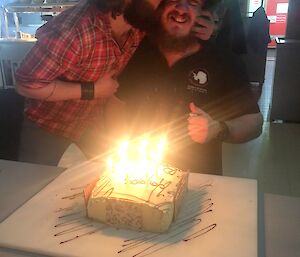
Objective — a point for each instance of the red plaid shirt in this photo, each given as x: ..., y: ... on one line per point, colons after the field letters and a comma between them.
x: 77, y: 46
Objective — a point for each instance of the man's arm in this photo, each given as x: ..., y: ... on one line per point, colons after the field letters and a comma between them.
x: 202, y: 128
x: 59, y: 90
x: 56, y: 90
x: 244, y: 128
x: 39, y: 74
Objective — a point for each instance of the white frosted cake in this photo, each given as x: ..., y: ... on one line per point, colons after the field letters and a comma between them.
x: 137, y: 204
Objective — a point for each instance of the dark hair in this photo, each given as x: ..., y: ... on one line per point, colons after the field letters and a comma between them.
x: 106, y: 6
x: 211, y: 4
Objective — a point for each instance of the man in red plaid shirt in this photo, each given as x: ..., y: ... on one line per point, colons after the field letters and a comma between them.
x: 71, y: 71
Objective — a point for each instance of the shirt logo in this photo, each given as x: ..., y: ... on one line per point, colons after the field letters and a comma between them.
x: 198, y: 81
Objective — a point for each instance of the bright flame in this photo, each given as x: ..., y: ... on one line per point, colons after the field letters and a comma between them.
x: 138, y: 162
x: 143, y: 149
x: 123, y: 150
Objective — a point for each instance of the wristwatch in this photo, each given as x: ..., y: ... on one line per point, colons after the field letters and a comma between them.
x: 223, y: 132
x: 87, y: 90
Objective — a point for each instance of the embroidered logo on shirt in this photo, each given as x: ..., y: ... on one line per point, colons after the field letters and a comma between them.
x: 198, y: 81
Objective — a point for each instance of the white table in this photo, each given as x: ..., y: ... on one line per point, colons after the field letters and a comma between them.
x: 232, y: 220
x: 20, y: 181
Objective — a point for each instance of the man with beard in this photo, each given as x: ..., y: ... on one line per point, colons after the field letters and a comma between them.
x: 71, y: 72
x: 195, y: 93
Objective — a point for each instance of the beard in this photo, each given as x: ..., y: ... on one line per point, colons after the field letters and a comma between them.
x: 171, y: 43
x: 141, y: 15
x: 167, y: 41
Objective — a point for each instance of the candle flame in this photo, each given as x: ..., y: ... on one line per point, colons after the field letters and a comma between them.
x: 139, y: 161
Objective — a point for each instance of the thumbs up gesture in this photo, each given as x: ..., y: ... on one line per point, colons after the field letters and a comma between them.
x: 202, y: 128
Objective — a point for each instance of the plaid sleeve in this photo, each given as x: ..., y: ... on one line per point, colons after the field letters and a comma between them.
x: 50, y: 57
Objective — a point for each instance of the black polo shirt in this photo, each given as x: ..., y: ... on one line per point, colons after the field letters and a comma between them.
x: 158, y: 96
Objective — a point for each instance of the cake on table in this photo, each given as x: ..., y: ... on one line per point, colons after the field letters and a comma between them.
x: 143, y: 204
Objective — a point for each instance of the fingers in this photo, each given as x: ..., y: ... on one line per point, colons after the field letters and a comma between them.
x: 205, y: 20
x: 106, y: 86
x: 110, y: 74
x: 114, y: 86
x: 207, y: 15
x: 198, y: 124
x: 193, y: 107
x: 196, y: 110
x: 198, y: 129
x: 204, y: 26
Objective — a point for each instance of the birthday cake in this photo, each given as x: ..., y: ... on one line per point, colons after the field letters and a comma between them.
x: 138, y: 204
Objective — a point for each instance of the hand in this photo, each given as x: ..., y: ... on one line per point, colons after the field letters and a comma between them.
x: 202, y: 128
x: 106, y: 86
x: 205, y: 26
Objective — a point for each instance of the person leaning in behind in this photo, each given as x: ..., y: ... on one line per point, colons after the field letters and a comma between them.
x: 71, y: 71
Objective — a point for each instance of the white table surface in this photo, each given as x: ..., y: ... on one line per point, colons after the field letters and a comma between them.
x: 231, y: 205
x: 20, y: 181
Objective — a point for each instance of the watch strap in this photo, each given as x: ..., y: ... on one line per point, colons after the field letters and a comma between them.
x: 223, y: 132
x: 87, y: 90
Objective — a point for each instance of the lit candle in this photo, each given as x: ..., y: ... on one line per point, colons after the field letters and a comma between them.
x: 142, y: 161
x: 124, y: 166
x: 109, y: 166
x: 139, y: 162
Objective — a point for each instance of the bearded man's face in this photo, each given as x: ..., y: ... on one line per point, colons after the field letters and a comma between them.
x: 177, y: 19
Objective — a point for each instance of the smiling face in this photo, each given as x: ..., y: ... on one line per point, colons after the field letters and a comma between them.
x: 176, y: 20
x: 178, y: 16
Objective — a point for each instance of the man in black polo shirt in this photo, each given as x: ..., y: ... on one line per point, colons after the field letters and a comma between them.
x: 194, y: 92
